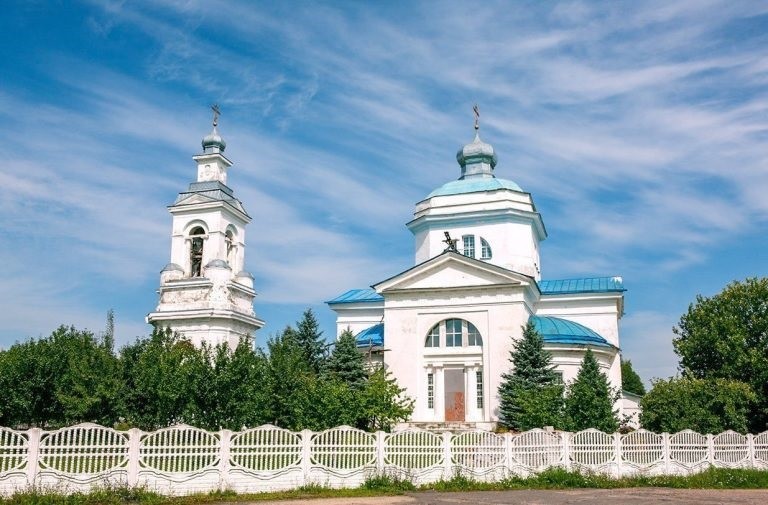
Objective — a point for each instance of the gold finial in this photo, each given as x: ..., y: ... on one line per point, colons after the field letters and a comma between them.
x: 476, y: 110
x: 216, y: 113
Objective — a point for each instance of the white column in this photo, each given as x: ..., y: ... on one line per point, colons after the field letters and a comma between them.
x: 439, y: 393
x: 471, y: 396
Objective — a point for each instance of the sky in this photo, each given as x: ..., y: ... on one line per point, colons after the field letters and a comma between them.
x: 640, y: 129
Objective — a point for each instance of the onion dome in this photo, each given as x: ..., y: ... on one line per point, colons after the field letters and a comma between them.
x: 477, y: 159
x: 213, y: 143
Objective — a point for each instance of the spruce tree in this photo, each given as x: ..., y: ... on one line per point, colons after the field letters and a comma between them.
x: 346, y: 362
x: 589, y: 402
x: 630, y: 381
x: 531, y: 394
x: 310, y: 338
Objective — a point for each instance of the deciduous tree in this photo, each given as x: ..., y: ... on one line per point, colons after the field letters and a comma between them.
x: 702, y: 405
x: 726, y: 336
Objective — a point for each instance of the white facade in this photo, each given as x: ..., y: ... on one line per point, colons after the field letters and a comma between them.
x: 476, y: 283
x: 205, y: 293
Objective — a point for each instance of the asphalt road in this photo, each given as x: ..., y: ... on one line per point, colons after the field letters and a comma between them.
x: 631, y: 496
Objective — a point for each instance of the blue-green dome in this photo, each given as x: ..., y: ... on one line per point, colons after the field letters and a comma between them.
x: 213, y: 142
x: 555, y: 330
x: 371, y: 337
x: 473, y: 186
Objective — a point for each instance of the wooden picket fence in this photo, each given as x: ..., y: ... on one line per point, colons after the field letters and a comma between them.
x: 183, y: 459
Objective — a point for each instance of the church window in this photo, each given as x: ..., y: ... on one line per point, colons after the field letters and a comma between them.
x: 433, y: 339
x: 479, y: 390
x: 229, y: 239
x: 430, y: 391
x: 473, y: 336
x: 457, y: 333
x: 485, y: 249
x: 453, y: 333
x: 196, y: 252
x: 468, y: 241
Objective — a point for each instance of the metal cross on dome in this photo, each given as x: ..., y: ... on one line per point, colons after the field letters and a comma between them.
x: 476, y: 110
x: 216, y: 114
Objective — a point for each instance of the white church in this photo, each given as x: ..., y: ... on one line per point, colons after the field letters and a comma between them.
x: 444, y: 327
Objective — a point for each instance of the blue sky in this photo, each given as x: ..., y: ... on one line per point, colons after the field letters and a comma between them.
x: 640, y: 128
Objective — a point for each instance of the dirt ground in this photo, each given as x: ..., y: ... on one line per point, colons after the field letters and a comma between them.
x: 631, y: 496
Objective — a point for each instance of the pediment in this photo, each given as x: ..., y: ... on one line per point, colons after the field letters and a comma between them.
x: 450, y: 271
x: 193, y: 199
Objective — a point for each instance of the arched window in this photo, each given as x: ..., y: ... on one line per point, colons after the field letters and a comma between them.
x: 433, y: 338
x: 455, y: 333
x: 230, y: 240
x: 196, y: 251
x: 473, y: 336
x: 485, y: 249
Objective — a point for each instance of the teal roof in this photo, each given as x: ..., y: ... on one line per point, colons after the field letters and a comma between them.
x: 474, y: 185
x: 585, y: 285
x: 555, y: 330
x: 373, y: 336
x: 366, y: 295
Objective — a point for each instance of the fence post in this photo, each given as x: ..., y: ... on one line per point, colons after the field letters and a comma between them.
x: 617, y: 450
x: 306, y: 455
x: 33, y: 455
x: 508, y: 452
x: 380, y: 437
x: 447, y: 464
x: 225, y: 436
x: 566, y: 441
x: 134, y: 442
x: 711, y: 449
x: 665, y: 452
x: 751, y: 449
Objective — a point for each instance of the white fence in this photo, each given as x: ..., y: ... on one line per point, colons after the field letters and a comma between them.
x: 183, y: 459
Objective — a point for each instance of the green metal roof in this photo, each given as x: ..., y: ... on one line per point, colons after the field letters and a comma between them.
x: 584, y: 285
x: 555, y: 330
x: 366, y: 295
x: 474, y: 185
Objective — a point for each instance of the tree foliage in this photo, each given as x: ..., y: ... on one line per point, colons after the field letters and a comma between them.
x: 630, y: 380
x: 66, y: 378
x: 531, y: 394
x: 346, y: 362
x: 73, y: 376
x: 589, y: 401
x: 310, y: 339
x: 702, y: 405
x: 726, y: 336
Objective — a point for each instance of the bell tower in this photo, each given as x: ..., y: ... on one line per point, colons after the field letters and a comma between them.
x: 205, y: 292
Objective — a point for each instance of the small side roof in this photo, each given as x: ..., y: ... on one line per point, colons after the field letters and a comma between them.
x: 366, y: 295
x: 583, y: 285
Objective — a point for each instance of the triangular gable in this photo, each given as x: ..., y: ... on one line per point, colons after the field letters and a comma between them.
x: 452, y: 270
x: 193, y: 199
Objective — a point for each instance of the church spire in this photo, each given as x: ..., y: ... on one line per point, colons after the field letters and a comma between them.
x: 477, y: 159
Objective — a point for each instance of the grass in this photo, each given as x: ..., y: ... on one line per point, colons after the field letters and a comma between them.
x: 393, y: 484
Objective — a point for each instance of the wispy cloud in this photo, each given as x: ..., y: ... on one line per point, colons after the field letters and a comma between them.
x: 640, y: 129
